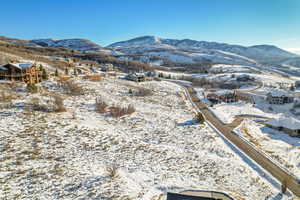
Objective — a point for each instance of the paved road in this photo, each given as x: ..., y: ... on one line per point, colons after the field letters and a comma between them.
x: 283, y: 176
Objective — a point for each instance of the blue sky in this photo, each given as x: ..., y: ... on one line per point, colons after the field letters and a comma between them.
x: 245, y: 22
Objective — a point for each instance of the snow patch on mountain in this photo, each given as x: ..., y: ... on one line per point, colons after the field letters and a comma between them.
x: 192, y: 51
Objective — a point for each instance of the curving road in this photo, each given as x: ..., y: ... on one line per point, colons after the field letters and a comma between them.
x: 278, y: 172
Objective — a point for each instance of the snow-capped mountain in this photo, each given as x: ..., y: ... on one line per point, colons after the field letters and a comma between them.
x: 75, y: 44
x: 158, y: 51
x: 192, y: 51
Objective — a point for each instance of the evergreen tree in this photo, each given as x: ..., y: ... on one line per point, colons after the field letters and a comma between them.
x: 44, y: 74
x: 31, y: 88
x: 66, y: 71
x: 199, y: 118
x: 75, y: 72
x: 56, y: 72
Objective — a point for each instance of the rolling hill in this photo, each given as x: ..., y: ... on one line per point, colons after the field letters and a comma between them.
x: 192, y: 51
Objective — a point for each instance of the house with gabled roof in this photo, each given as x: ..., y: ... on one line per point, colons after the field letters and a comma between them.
x: 278, y: 96
x: 219, y: 96
x: 289, y: 125
x: 25, y: 72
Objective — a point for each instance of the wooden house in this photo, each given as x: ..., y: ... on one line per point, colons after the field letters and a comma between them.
x: 226, y: 96
x: 25, y: 72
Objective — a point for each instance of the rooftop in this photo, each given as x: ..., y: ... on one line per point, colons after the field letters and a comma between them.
x: 277, y: 92
x: 2, y: 67
x: 287, y: 122
x: 223, y: 92
x: 17, y: 65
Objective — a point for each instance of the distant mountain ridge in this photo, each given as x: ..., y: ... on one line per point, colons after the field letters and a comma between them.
x: 210, y: 50
x: 157, y: 51
x: 75, y: 44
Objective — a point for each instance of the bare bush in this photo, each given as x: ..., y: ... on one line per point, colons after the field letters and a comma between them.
x: 6, y: 98
x: 58, y: 103
x: 142, y: 92
x: 51, y: 103
x: 112, y: 171
x: 117, y: 111
x: 130, y: 109
x: 101, y: 106
x: 72, y: 88
x: 37, y: 105
x: 199, y: 118
x: 74, y: 115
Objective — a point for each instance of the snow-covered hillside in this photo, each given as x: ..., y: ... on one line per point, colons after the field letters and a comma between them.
x: 75, y: 44
x: 82, y: 154
x: 216, y: 52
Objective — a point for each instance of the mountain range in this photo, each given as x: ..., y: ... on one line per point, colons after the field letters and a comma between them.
x: 157, y: 51
x: 192, y: 51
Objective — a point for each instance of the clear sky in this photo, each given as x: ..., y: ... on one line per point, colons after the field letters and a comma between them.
x: 245, y: 22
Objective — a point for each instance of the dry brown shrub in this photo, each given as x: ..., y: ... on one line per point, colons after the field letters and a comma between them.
x: 191, y: 90
x: 112, y: 171
x: 37, y: 105
x: 72, y: 88
x: 93, y: 77
x: 130, y: 109
x: 6, y: 98
x: 64, y: 78
x: 58, y: 103
x: 117, y: 111
x: 74, y: 116
x: 52, y: 103
x: 101, y: 106
x: 142, y: 92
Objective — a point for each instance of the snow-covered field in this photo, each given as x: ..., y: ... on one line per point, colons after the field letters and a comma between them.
x: 223, y: 68
x: 279, y: 145
x: 227, y: 112
x: 81, y: 154
x: 266, y: 79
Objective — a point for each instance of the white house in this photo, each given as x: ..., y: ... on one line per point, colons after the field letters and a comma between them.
x: 289, y: 125
x: 278, y: 96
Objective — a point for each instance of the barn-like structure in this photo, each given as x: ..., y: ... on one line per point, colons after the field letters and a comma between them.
x: 25, y: 72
